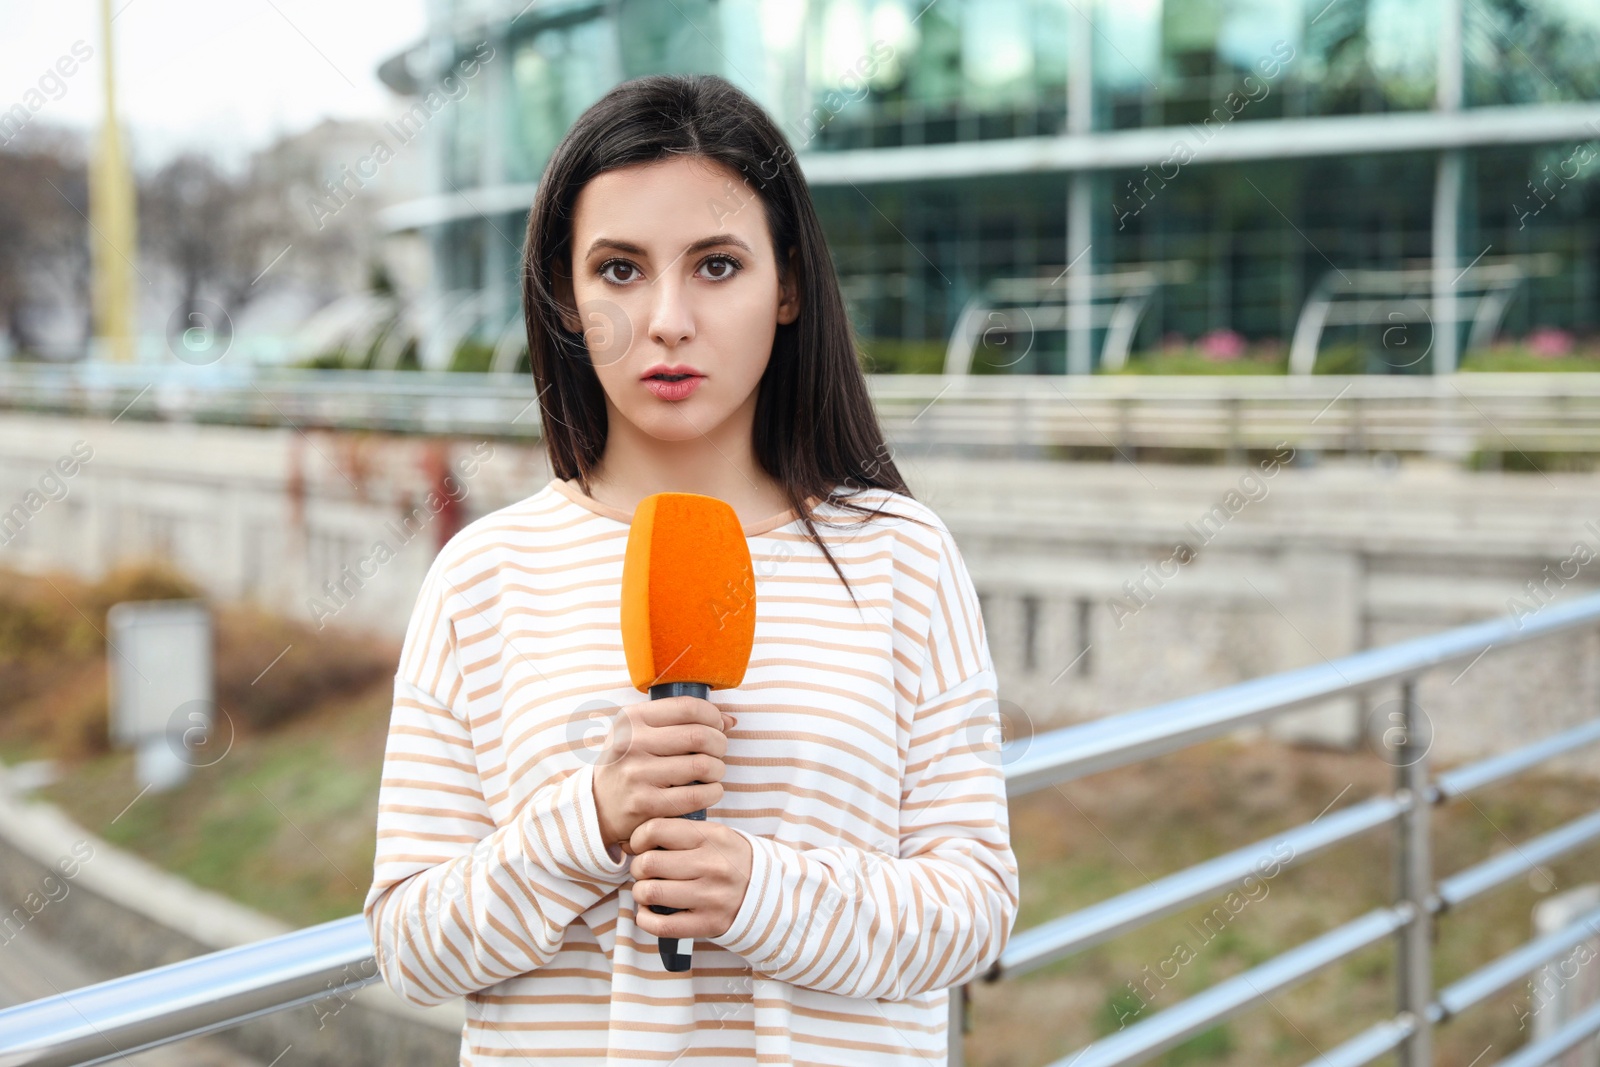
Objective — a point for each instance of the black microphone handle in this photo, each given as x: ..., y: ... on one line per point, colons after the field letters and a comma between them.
x: 676, y: 952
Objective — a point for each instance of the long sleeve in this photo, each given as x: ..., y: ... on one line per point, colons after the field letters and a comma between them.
x: 458, y: 903
x: 861, y: 923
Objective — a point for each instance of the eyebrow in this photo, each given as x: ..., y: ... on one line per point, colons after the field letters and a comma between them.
x: 636, y: 250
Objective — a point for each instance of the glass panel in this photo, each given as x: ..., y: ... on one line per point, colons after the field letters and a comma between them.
x: 1170, y: 63
x: 1529, y: 51
x: 1373, y: 55
x: 1250, y: 270
x: 1536, y: 206
x: 447, y: 13
x: 668, y: 38
x: 1127, y: 48
x: 761, y: 42
x: 556, y: 73
x: 909, y: 257
x: 464, y: 137
x: 459, y: 252
x: 1255, y: 239
x: 996, y: 54
x: 900, y: 72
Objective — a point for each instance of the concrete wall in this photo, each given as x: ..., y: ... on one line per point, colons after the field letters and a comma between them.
x: 1310, y: 564
x: 1105, y: 587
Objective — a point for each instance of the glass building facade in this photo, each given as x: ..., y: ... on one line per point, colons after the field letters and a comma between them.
x: 1132, y: 174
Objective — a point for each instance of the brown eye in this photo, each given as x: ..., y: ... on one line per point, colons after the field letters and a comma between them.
x: 729, y: 264
x: 620, y: 265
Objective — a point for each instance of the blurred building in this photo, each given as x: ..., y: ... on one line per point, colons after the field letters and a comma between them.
x: 1354, y: 170
x: 308, y: 184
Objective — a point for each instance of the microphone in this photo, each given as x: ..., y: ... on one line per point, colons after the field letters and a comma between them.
x: 688, y: 615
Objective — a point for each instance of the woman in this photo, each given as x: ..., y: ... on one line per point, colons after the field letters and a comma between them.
x: 688, y: 334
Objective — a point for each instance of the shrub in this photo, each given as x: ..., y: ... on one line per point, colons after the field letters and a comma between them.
x: 315, y: 666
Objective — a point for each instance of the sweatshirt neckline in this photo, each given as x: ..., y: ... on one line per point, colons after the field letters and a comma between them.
x: 574, y: 493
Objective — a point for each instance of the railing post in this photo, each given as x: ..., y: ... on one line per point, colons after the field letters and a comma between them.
x: 958, y: 1025
x: 1409, y: 741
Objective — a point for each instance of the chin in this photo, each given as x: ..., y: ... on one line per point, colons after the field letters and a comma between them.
x: 684, y: 424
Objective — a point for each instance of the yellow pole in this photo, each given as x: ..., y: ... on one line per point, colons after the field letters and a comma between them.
x: 112, y: 212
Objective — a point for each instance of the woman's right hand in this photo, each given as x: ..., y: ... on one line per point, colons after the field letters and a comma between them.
x: 652, y: 754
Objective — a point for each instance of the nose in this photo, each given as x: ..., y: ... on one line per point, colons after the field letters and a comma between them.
x: 671, y: 319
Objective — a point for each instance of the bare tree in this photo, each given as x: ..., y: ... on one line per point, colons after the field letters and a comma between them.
x: 216, y: 232
x: 44, y: 235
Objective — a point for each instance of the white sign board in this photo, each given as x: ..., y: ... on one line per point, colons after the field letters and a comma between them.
x: 159, y: 663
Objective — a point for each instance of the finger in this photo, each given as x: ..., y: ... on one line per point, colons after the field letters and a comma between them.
x: 685, y: 862
x: 669, y: 893
x: 686, y: 738
x: 719, y: 849
x: 667, y: 833
x: 683, y: 799
x: 664, y: 865
x: 666, y: 771
x: 675, y: 711
x: 682, y: 924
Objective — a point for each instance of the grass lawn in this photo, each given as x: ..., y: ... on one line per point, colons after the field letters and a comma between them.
x: 284, y: 822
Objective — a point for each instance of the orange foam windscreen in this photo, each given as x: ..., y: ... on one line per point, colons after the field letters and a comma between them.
x: 688, y: 593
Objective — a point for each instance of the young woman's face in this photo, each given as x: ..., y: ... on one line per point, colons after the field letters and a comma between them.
x: 674, y: 273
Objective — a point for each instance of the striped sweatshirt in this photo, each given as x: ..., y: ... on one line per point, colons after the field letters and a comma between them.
x: 863, y: 768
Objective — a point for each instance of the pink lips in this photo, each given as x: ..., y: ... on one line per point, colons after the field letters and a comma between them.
x: 673, y: 390
x: 672, y: 386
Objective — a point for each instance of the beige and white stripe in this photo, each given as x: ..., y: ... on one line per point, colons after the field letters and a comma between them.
x: 863, y: 768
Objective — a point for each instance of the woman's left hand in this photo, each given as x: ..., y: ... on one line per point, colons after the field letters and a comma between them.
x: 702, y: 867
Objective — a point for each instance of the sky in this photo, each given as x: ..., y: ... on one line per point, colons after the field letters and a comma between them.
x: 222, y: 76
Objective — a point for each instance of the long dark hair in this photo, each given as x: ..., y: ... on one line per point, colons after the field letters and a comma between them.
x: 816, y: 431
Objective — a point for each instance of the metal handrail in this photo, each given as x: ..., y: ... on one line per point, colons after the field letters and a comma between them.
x: 1528, y: 856
x: 1485, y: 982
x: 1077, y: 751
x: 116, y: 1018
x: 1545, y: 1050
x: 1097, y: 923
x: 1175, y: 1025
x: 1458, y: 783
x: 215, y: 991
x: 1005, y: 414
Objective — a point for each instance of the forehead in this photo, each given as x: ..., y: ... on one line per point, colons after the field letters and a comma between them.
x: 667, y: 204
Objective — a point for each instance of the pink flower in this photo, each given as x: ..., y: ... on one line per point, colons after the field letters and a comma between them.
x: 1548, y: 343
x: 1222, y: 345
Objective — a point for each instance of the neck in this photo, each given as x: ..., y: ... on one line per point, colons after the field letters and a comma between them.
x: 718, y: 462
